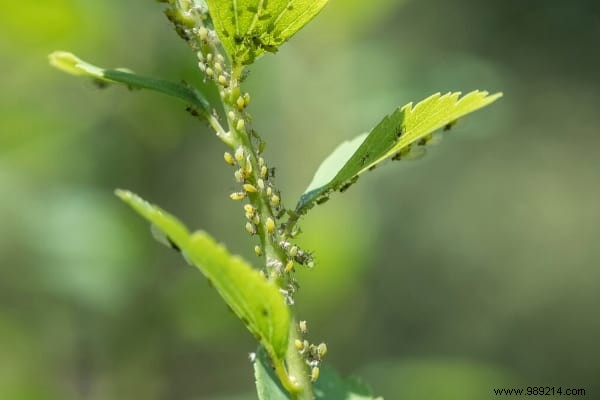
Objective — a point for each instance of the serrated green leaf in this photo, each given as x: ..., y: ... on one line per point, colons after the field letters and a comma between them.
x: 73, y: 65
x: 329, y: 386
x: 393, y: 136
x: 249, y: 28
x: 255, y: 301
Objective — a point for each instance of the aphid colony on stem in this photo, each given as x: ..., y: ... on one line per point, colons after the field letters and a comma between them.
x: 263, y: 210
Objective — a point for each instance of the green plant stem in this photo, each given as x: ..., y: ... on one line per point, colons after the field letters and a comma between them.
x: 294, y: 374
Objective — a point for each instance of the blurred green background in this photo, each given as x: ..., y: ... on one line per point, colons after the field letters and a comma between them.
x: 473, y: 268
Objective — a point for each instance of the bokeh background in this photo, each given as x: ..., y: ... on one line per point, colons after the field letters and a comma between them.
x: 474, y: 268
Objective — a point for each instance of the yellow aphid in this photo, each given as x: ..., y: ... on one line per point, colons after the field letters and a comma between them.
x: 237, y: 195
x: 269, y: 191
x: 258, y: 250
x: 229, y: 158
x: 264, y: 171
x: 239, y: 154
x: 209, y: 72
x: 222, y: 80
x: 270, y: 225
x: 303, y: 326
x: 250, y: 188
x: 240, y: 103
x: 241, y: 125
x: 238, y: 176
x: 293, y: 253
x: 203, y: 33
x: 314, y: 374
x: 261, y: 184
x: 289, y: 266
x: 246, y: 99
x: 298, y: 344
x: 322, y: 350
x: 275, y: 200
x: 249, y: 208
x: 248, y: 167
x: 250, y: 228
x: 249, y: 216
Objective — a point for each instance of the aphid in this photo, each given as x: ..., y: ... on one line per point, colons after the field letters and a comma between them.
x: 163, y: 238
x: 400, y: 132
x: 203, y: 33
x: 424, y: 140
x: 289, y: 267
x: 303, y: 327
x: 249, y: 208
x: 314, y: 374
x: 241, y: 125
x: 258, y: 250
x: 261, y: 161
x: 298, y: 344
x: 229, y: 158
x: 250, y: 188
x: 239, y: 154
x: 269, y: 191
x: 250, y: 228
x: 237, y: 195
x: 270, y: 225
x: 240, y: 103
x: 263, y: 172
x: 450, y: 125
x: 322, y: 199
x: 246, y: 99
x: 238, y: 176
x: 218, y: 68
x: 256, y: 219
x: 222, y: 80
x: 322, y: 350
x: 293, y: 252
x: 261, y: 184
x: 275, y: 200
x: 209, y: 72
x: 248, y: 167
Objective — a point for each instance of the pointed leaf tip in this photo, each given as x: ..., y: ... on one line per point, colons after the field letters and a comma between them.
x: 71, y: 64
x: 392, y: 138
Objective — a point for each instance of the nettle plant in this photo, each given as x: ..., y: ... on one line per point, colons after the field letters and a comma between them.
x: 227, y: 36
